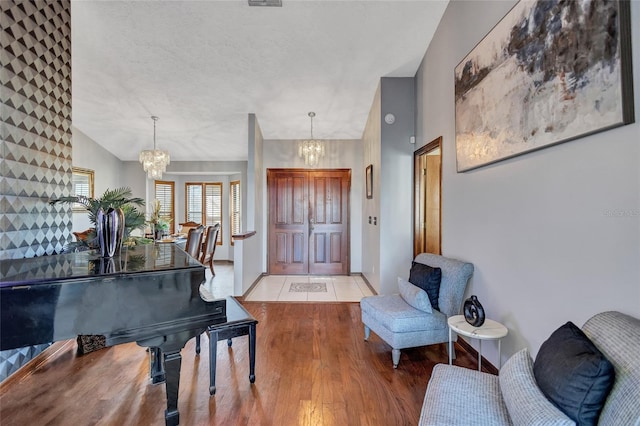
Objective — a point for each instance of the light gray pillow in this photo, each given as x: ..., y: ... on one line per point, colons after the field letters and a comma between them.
x: 525, y: 402
x: 414, y: 295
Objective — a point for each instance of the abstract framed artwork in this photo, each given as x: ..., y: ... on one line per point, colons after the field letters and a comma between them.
x: 550, y: 71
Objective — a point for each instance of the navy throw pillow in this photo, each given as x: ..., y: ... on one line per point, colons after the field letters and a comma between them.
x: 428, y: 279
x: 573, y: 374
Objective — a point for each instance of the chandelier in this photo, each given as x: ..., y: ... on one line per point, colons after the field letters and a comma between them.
x: 311, y: 150
x: 155, y: 161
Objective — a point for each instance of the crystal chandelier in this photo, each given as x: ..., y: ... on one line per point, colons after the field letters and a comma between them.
x: 311, y: 150
x: 154, y: 162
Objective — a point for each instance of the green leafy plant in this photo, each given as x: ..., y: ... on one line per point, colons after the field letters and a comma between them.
x: 115, y: 198
x: 159, y: 222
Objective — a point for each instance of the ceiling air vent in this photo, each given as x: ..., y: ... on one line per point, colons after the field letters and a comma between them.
x: 276, y: 3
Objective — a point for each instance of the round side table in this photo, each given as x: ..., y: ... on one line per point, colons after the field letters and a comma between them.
x: 490, y: 330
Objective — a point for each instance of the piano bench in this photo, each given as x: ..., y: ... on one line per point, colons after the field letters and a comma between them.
x: 239, y: 323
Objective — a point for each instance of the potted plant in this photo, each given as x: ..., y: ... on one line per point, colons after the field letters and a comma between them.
x: 159, y: 225
x: 116, y: 198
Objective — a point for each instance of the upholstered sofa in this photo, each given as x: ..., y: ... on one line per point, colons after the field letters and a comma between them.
x: 459, y: 396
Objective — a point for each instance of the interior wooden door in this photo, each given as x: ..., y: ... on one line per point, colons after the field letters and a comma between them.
x: 288, y: 222
x: 329, y: 222
x: 427, y: 198
x: 308, y: 221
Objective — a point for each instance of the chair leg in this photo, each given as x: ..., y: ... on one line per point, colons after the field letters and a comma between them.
x: 367, y: 332
x: 395, y: 355
x: 211, y: 266
x: 198, y: 344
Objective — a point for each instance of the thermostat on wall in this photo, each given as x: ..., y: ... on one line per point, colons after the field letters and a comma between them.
x: 389, y: 118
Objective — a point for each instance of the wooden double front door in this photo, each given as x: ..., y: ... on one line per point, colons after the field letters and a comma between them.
x: 308, y: 221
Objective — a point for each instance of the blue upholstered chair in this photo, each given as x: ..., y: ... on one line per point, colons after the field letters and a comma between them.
x: 403, y: 326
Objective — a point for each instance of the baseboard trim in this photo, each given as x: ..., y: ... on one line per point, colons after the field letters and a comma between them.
x: 252, y: 286
x: 487, y: 367
x: 366, y: 281
x: 34, y: 364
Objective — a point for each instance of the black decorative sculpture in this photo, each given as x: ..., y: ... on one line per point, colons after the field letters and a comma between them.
x: 473, y: 311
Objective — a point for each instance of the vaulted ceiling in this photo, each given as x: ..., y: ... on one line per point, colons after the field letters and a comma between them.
x: 203, y: 66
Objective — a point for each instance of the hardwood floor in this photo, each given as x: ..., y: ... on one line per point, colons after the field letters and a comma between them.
x: 313, y: 367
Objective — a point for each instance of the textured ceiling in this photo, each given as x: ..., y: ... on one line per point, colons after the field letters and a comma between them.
x: 203, y: 66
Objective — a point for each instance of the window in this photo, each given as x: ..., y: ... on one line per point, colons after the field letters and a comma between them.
x: 234, y: 208
x: 82, y: 185
x: 204, y: 203
x: 164, y: 192
x: 194, y: 202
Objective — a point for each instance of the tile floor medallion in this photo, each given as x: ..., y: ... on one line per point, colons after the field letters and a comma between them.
x: 312, y: 287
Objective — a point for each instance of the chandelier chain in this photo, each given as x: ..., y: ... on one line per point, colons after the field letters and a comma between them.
x: 154, y: 131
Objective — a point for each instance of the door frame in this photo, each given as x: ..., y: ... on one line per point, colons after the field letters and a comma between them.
x: 418, y: 190
x: 348, y: 171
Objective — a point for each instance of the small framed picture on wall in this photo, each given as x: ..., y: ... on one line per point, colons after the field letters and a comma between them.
x: 369, y: 181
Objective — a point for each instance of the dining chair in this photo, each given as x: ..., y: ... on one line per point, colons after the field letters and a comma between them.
x: 187, y: 226
x: 194, y: 241
x: 209, y: 247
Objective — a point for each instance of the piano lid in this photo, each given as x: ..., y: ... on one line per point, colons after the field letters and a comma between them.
x: 88, y: 264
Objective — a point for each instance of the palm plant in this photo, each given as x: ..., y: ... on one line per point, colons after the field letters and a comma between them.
x: 114, y: 198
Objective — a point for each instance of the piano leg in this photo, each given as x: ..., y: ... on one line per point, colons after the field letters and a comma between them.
x: 252, y: 353
x: 172, y: 363
x: 167, y: 362
x: 156, y: 366
x: 213, y: 349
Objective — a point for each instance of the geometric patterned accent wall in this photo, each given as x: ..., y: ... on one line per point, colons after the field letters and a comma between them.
x: 36, y: 127
x: 35, y: 87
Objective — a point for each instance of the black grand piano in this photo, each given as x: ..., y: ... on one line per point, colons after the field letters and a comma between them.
x: 148, y: 294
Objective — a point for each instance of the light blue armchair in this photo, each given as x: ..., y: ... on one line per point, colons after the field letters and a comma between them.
x: 403, y: 326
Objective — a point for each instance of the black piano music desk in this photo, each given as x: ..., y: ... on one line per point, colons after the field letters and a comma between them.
x: 147, y: 294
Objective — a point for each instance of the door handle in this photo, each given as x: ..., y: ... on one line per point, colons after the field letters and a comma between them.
x: 311, y: 228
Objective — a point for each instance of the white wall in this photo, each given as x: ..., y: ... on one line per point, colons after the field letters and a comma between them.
x: 87, y: 154
x: 339, y: 154
x: 249, y: 254
x: 109, y: 173
x: 259, y: 211
x: 396, y: 171
x: 537, y: 226
x: 371, y: 207
x: 387, y: 241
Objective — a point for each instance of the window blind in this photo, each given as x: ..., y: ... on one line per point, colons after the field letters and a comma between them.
x: 194, y: 202
x: 80, y: 186
x: 164, y: 192
x: 213, y: 203
x: 204, y: 203
x: 234, y: 208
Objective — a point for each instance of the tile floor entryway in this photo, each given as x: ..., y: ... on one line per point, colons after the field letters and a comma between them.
x: 220, y: 285
x: 304, y: 288
x: 289, y: 288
